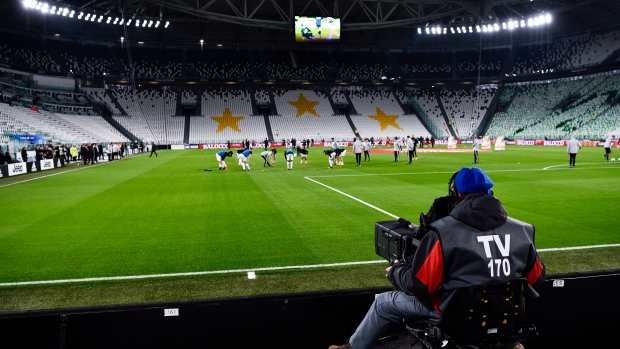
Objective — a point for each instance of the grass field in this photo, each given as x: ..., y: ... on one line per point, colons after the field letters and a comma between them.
x: 200, y: 231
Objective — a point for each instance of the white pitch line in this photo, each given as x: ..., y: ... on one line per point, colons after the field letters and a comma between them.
x: 576, y: 248
x: 353, y: 197
x: 233, y: 271
x: 451, y: 173
x: 563, y: 167
x: 54, y: 174
x: 153, y: 276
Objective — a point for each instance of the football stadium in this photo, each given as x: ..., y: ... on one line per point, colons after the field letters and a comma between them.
x: 244, y: 174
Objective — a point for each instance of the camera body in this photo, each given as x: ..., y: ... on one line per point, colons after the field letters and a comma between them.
x: 397, y: 240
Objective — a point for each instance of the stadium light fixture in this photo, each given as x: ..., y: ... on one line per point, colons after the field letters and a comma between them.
x: 70, y: 12
x: 493, y: 27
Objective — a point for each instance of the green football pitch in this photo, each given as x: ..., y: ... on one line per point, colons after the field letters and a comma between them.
x: 162, y: 228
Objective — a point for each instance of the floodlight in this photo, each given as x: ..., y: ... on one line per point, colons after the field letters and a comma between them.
x: 547, y: 18
x: 137, y: 22
x: 157, y: 24
x: 496, y: 26
x: 144, y: 23
x: 150, y: 23
x: 433, y: 30
x: 471, y: 30
x: 458, y: 29
x: 445, y: 30
x: 427, y: 30
x: 128, y: 22
x: 477, y: 29
x: 167, y: 24
x: 451, y: 30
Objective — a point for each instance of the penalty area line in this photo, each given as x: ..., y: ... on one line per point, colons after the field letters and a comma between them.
x: 353, y: 197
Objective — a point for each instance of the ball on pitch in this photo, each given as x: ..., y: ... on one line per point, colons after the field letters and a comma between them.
x: 613, y: 160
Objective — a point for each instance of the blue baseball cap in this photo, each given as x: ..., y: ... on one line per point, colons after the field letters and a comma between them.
x: 472, y: 180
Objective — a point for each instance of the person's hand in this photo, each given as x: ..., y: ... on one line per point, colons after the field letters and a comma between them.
x: 387, y: 270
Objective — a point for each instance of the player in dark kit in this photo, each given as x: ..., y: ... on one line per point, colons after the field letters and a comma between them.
x: 306, y: 33
x: 331, y: 154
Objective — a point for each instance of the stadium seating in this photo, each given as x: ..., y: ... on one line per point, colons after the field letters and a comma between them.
x: 465, y: 108
x: 374, y: 106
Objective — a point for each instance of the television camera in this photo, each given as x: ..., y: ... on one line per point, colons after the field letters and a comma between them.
x: 399, y: 239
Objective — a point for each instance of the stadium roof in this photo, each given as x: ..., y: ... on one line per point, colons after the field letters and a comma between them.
x: 371, y: 23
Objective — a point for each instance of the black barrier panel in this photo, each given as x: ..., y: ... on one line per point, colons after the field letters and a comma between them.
x: 588, y: 308
x: 37, y: 331
x: 300, y: 321
x: 574, y: 311
x: 131, y: 328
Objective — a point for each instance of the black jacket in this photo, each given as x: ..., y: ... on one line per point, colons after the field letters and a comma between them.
x: 477, y: 244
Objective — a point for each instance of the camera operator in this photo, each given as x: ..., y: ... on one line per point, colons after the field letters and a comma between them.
x: 460, y: 250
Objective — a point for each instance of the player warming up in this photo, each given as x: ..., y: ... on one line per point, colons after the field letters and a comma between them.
x: 220, y: 156
x: 245, y: 159
x: 266, y: 155
x: 331, y: 155
x: 289, y: 154
x: 304, y: 156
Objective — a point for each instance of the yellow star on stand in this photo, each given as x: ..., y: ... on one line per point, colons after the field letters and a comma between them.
x: 386, y: 120
x: 227, y: 120
x: 303, y: 105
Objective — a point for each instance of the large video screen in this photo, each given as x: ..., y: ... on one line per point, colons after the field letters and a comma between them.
x: 317, y: 29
